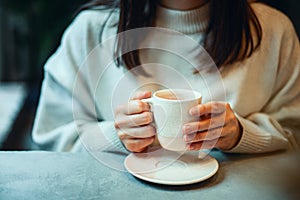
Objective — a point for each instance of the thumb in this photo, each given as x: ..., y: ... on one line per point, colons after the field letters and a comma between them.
x: 141, y: 95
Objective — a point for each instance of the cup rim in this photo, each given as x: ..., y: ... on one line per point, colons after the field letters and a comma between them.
x: 196, y: 93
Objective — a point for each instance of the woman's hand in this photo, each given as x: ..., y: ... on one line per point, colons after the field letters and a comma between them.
x: 217, y: 127
x: 132, y: 122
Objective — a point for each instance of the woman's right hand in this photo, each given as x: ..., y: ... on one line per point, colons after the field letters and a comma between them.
x: 133, y: 123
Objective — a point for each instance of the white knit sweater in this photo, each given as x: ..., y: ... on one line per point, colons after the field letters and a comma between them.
x: 78, y: 95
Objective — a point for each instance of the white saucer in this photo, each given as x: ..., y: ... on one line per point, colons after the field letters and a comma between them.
x: 171, y: 168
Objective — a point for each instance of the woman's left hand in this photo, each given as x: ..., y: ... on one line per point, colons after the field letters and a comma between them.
x: 217, y: 127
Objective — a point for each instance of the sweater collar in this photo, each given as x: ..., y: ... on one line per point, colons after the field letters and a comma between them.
x: 186, y: 22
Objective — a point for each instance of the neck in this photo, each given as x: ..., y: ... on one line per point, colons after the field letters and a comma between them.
x: 182, y: 4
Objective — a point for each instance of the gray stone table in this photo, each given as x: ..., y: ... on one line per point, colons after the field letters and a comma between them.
x: 50, y: 175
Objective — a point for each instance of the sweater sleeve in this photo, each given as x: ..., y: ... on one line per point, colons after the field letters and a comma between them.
x: 57, y: 129
x: 277, y: 125
x: 58, y: 126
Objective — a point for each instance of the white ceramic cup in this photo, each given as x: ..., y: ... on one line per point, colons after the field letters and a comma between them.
x: 171, y: 111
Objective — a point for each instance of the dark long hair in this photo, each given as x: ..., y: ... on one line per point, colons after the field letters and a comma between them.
x: 233, y: 34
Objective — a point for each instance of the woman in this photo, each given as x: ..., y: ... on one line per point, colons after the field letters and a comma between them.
x: 254, y: 47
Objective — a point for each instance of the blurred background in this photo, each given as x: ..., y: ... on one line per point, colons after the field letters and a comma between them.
x: 30, y: 31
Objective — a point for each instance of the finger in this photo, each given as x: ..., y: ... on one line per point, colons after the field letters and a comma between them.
x: 205, y: 124
x: 141, y: 95
x: 122, y: 135
x: 207, y: 144
x: 139, y: 132
x: 208, y: 108
x: 210, y: 134
x: 137, y: 145
x: 133, y: 107
x: 128, y: 121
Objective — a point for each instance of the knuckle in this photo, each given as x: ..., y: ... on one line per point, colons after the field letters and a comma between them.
x: 116, y: 125
x: 132, y: 145
x: 136, y: 145
x: 122, y: 136
x: 120, y: 123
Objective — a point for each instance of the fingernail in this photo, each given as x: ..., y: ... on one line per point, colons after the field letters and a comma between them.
x: 193, y: 111
x: 146, y: 93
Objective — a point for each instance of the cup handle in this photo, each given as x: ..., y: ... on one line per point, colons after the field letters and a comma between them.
x: 148, y: 100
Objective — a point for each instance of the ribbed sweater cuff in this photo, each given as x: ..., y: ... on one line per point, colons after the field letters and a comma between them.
x: 253, y: 140
x: 100, y: 137
x: 110, y: 134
